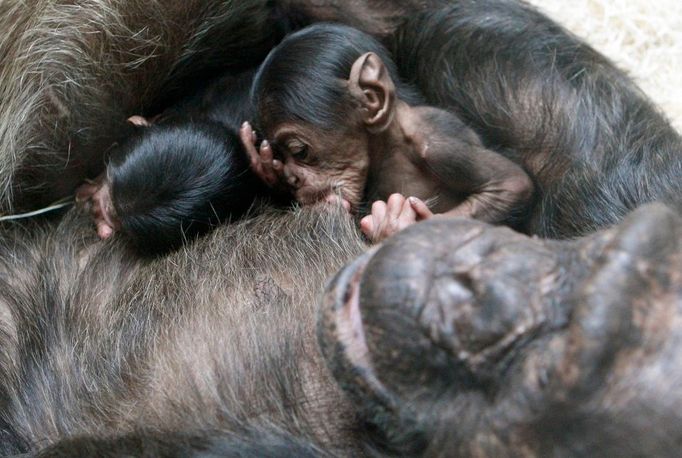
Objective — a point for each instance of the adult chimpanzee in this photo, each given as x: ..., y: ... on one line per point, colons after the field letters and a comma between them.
x: 531, y: 101
x: 213, y: 349
x: 181, y: 176
x: 116, y: 61
x: 596, y: 145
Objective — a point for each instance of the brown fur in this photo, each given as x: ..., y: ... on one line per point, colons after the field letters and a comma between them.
x: 72, y: 74
x: 215, y: 337
x: 218, y: 336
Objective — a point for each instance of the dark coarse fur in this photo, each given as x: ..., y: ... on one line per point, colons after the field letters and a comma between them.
x: 531, y: 89
x: 260, y: 442
x: 71, y: 75
x: 177, y: 180
x: 302, y: 78
x: 188, y: 171
x: 225, y: 100
x: 212, y: 345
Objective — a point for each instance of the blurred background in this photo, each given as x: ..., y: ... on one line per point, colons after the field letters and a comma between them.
x: 643, y: 37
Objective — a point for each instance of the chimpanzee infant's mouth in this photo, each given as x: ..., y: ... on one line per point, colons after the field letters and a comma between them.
x: 328, y: 196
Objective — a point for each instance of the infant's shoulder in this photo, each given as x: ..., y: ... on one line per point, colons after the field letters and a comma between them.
x: 439, y: 122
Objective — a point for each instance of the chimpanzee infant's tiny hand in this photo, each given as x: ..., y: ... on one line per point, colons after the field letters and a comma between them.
x: 95, y: 197
x: 264, y: 165
x: 388, y: 218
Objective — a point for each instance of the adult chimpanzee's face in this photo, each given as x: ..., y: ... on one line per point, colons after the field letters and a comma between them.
x: 320, y: 164
x: 501, y: 337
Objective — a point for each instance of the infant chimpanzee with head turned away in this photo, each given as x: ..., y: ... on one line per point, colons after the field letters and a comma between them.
x: 180, y: 174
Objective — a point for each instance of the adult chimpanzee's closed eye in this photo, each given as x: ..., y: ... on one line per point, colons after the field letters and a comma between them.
x: 212, y: 349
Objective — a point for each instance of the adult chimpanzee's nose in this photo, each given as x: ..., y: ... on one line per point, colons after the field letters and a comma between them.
x: 433, y: 310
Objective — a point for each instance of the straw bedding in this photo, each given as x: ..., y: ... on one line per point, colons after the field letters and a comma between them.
x: 643, y: 37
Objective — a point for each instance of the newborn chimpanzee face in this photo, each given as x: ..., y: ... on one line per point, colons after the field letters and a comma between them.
x: 319, y: 165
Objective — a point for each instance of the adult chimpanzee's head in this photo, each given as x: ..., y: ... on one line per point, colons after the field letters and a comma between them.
x: 319, y: 95
x: 462, y: 339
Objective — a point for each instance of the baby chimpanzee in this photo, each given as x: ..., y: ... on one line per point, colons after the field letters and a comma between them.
x: 181, y: 174
x: 342, y: 126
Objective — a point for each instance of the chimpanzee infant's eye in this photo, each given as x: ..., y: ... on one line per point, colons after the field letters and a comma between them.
x: 300, y: 153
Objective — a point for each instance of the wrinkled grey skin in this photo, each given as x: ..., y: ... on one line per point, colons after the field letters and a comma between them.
x: 463, y: 339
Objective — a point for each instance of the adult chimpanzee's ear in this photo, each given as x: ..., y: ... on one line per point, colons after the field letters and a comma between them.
x: 139, y: 121
x: 372, y: 86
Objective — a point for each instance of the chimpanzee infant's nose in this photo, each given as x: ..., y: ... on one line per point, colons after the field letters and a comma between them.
x: 291, y: 178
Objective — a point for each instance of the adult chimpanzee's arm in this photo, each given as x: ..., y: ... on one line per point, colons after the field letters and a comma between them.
x: 252, y: 442
x: 595, y: 145
x: 378, y: 17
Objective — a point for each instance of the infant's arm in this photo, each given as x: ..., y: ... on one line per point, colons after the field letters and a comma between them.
x: 496, y: 188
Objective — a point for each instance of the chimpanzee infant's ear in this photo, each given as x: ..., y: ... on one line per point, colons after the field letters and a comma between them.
x: 372, y: 86
x: 139, y: 121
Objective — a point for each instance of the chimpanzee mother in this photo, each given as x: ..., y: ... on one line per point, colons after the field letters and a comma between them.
x: 212, y: 350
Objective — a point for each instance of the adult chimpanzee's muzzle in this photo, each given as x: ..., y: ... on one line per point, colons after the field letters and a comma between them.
x: 459, y: 337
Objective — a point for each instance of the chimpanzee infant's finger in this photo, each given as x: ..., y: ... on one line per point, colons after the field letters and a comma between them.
x: 367, y: 226
x: 420, y: 208
x: 139, y: 121
x: 104, y: 230
x: 85, y: 192
x: 246, y: 135
x: 379, y: 215
x: 270, y: 175
x: 379, y: 211
x: 394, y: 206
x: 261, y: 159
x: 407, y: 215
